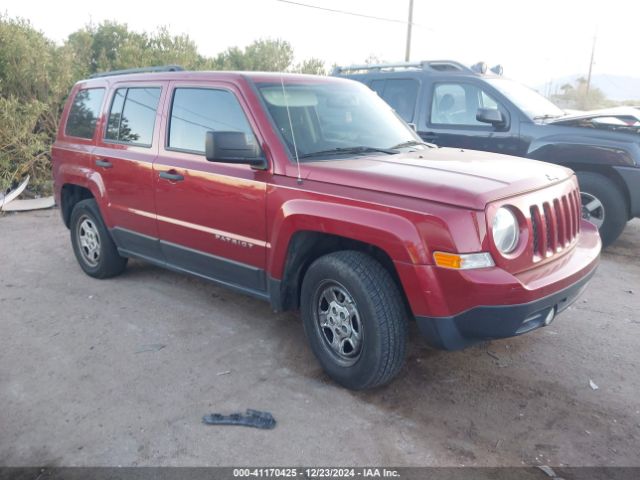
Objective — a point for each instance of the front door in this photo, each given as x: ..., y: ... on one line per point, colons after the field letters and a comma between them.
x: 451, y: 119
x: 210, y: 216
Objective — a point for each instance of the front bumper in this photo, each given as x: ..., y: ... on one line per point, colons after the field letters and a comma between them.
x: 457, y: 308
x: 497, y: 321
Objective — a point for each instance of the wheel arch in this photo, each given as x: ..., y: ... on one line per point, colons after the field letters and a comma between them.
x: 304, y: 248
x: 77, y: 183
x: 609, y: 173
x: 70, y: 195
x: 600, y: 158
x: 304, y: 230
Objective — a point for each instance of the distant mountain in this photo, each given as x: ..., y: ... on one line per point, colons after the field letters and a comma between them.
x: 615, y: 87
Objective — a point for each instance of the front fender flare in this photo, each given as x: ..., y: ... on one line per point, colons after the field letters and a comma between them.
x: 574, y: 149
x: 397, y: 236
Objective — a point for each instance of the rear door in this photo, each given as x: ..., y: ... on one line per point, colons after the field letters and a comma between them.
x: 211, y: 216
x: 450, y: 121
x: 124, y: 156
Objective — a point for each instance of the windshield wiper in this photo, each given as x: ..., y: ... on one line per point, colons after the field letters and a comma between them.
x: 356, y: 149
x: 411, y: 143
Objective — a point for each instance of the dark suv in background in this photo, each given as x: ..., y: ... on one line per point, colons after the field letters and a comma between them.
x: 452, y: 105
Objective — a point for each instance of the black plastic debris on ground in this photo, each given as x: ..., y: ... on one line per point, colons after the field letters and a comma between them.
x: 252, y: 418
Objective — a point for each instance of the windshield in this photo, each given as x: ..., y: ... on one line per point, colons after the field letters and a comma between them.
x: 335, y: 119
x: 528, y: 100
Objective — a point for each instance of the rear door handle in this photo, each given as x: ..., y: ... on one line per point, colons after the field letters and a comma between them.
x: 104, y: 163
x: 172, y: 176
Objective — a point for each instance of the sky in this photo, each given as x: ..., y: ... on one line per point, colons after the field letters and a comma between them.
x: 534, y: 40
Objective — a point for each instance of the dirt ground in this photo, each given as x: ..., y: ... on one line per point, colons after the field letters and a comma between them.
x: 120, y: 372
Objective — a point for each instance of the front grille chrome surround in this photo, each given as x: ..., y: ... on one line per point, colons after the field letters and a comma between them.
x: 555, y: 224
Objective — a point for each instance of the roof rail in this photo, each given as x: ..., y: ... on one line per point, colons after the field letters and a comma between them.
x: 162, y: 68
x: 439, y: 65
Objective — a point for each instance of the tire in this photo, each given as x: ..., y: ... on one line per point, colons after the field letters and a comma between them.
x: 92, y: 244
x: 608, y: 210
x: 369, y: 312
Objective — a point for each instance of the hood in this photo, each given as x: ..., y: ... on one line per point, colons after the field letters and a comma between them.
x: 626, y: 119
x: 464, y: 178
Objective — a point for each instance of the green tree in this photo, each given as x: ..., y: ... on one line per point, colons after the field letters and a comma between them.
x: 34, y: 80
x: 36, y: 76
x: 26, y: 58
x: 313, y: 66
x: 577, y: 97
x: 264, y: 55
x: 373, y: 60
x: 167, y: 49
x: 112, y: 46
x: 24, y: 148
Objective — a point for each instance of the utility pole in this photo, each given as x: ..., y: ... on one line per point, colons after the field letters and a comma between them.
x: 407, y: 54
x: 593, y: 50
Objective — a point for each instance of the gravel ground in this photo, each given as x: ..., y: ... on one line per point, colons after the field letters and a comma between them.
x: 120, y: 372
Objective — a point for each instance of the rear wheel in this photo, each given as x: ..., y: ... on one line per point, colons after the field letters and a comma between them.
x: 355, y: 319
x: 92, y: 244
x: 603, y: 205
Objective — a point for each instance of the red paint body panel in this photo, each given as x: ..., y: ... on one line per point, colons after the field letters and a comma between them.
x: 72, y: 158
x: 435, y: 292
x: 130, y: 182
x: 213, y: 208
x: 464, y: 178
x: 217, y: 205
x: 408, y: 205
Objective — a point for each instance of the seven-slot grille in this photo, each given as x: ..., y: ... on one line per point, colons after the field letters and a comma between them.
x: 555, y: 224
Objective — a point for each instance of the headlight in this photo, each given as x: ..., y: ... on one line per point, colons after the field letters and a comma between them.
x: 505, y: 230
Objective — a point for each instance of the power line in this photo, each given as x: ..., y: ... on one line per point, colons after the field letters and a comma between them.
x: 343, y: 12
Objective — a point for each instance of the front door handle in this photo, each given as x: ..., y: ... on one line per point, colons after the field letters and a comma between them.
x: 104, y: 163
x: 172, y: 175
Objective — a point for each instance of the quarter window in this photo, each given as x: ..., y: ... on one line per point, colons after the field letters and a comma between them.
x: 133, y: 115
x: 84, y: 113
x: 196, y: 111
x: 458, y: 104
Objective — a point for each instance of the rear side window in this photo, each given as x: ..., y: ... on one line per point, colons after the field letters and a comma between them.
x: 399, y: 93
x: 84, y: 113
x: 197, y: 110
x: 133, y: 115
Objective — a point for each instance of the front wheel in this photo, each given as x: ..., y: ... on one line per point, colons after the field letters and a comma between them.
x: 355, y: 319
x: 603, y: 204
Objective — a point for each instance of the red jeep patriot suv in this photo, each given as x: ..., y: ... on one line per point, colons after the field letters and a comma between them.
x: 311, y: 193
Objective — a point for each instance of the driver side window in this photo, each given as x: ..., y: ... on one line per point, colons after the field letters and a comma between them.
x: 458, y: 103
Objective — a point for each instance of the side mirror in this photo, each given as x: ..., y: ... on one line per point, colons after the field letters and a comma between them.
x: 233, y: 147
x: 492, y: 116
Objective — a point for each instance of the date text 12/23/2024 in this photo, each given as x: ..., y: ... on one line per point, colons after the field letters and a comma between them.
x: 315, y: 472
